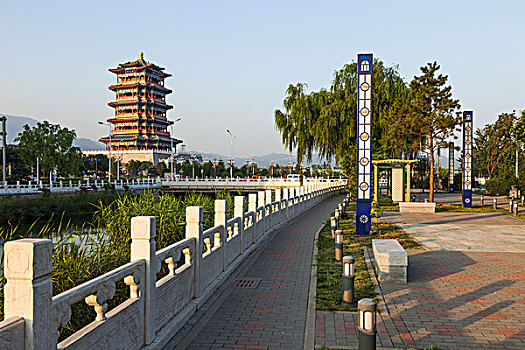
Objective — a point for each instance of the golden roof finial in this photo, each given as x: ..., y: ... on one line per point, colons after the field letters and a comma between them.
x: 141, y: 55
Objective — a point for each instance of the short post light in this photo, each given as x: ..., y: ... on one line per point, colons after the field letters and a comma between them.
x: 333, y: 225
x: 348, y: 279
x: 337, y: 215
x: 481, y: 200
x: 516, y: 209
x: 522, y: 201
x: 339, y: 245
x: 511, y: 204
x: 366, y: 321
x: 495, y: 203
x: 341, y: 211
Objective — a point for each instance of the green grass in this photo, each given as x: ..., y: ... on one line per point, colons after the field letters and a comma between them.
x: 459, y: 208
x: 329, y: 272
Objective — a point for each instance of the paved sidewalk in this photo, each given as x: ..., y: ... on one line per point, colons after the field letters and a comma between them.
x: 273, y: 315
x: 461, y: 300
x: 467, y: 292
x: 463, y: 231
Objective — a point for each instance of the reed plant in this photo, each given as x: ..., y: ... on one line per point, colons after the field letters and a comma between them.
x: 81, y: 253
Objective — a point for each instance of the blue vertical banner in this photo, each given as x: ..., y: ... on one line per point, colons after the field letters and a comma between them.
x: 363, y: 223
x: 451, y: 168
x: 467, y: 159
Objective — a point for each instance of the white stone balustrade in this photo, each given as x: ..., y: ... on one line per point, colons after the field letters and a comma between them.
x: 155, y: 308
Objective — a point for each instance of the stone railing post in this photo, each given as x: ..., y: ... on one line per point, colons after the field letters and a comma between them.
x: 238, y: 212
x: 28, y: 292
x: 252, y: 206
x: 261, y: 203
x: 279, y: 207
x: 292, y: 200
x: 301, y: 199
x: 269, y: 203
x: 284, y: 216
x: 194, y: 230
x: 143, y: 246
x: 221, y: 238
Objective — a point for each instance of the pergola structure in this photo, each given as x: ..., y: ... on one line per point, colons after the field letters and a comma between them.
x: 401, y: 176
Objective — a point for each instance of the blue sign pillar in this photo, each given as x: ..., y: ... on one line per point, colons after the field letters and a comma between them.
x: 451, y: 168
x: 467, y: 159
x: 364, y: 144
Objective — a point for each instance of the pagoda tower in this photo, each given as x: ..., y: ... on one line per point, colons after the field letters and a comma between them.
x: 140, y: 123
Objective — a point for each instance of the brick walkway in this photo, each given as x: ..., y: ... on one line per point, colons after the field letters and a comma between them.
x: 460, y: 300
x: 453, y: 299
x: 273, y: 315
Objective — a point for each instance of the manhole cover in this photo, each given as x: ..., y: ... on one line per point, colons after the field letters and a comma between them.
x: 246, y: 283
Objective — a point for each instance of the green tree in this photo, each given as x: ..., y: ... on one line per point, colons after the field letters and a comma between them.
x: 494, y: 146
x: 52, y: 144
x: 324, y: 121
x: 433, y: 112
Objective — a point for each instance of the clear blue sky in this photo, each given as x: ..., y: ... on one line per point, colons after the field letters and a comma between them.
x: 232, y: 60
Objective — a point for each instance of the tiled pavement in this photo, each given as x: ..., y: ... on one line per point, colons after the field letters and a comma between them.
x: 454, y: 299
x: 273, y: 315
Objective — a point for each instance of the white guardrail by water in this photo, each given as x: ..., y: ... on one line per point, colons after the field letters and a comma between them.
x: 156, y: 308
x: 70, y: 186
x: 209, y: 184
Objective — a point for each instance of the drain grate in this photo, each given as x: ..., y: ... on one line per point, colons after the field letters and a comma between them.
x: 246, y: 283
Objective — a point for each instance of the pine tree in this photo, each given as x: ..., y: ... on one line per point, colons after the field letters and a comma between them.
x: 433, y: 111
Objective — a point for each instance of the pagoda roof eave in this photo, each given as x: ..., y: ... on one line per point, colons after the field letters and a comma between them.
x: 127, y: 86
x: 134, y: 102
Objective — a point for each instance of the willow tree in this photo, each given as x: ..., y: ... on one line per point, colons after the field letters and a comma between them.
x: 433, y: 112
x: 325, y: 121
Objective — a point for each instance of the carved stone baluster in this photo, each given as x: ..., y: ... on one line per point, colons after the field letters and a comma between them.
x: 106, y: 291
x: 217, y: 240
x: 207, y: 243
x: 100, y: 307
x: 171, y: 266
x: 133, y: 282
x: 187, y: 256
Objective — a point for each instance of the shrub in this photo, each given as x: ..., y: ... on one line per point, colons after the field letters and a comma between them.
x: 498, y: 186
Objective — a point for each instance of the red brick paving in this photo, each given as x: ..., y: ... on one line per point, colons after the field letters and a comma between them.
x: 454, y: 300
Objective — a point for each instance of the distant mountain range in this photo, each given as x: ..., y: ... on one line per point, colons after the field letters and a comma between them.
x: 15, y: 125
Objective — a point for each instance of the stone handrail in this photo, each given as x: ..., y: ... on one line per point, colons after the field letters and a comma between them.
x: 156, y: 307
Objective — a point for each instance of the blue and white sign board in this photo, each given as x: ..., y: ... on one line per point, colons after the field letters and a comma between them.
x: 451, y: 168
x: 467, y: 159
x: 364, y: 144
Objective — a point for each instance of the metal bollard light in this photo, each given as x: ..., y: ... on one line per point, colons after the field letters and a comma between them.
x: 522, y: 201
x: 516, y: 209
x: 348, y: 279
x: 366, y: 324
x: 481, y: 200
x: 337, y: 215
x: 495, y: 203
x: 511, y: 204
x: 333, y: 225
x: 338, y: 245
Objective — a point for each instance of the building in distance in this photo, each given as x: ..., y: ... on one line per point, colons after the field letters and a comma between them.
x: 140, y: 125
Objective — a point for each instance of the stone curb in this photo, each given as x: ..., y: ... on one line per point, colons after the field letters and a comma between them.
x: 309, y: 331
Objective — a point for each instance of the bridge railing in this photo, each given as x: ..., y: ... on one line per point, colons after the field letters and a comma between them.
x: 72, y: 186
x: 166, y: 286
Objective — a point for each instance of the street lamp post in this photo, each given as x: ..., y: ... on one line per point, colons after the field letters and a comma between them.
x: 3, y: 119
x: 172, y: 153
x: 110, y: 145
x: 231, y: 158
